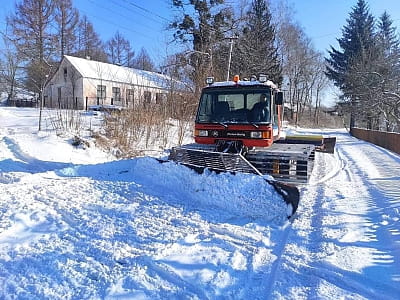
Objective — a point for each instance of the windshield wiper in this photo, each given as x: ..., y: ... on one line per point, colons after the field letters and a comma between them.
x: 255, y: 125
x: 223, y: 124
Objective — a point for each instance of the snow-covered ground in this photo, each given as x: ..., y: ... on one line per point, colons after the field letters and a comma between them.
x: 77, y: 224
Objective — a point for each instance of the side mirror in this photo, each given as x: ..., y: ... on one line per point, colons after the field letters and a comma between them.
x: 279, y: 98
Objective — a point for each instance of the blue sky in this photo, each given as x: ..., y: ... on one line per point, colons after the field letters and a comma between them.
x: 144, y: 22
x: 323, y: 20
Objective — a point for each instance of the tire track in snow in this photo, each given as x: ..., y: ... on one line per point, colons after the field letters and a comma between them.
x: 333, y: 162
x: 278, y: 251
x: 335, y: 166
x: 327, y: 167
x: 335, y: 249
x: 23, y: 162
x: 303, y: 242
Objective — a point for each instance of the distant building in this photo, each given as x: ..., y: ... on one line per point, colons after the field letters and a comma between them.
x: 80, y: 83
x: 289, y: 112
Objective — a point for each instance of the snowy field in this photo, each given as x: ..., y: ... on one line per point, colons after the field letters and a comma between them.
x: 77, y: 224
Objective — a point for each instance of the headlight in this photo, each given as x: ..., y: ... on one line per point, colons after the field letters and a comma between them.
x: 262, y: 78
x: 203, y: 133
x: 256, y: 134
x: 210, y: 80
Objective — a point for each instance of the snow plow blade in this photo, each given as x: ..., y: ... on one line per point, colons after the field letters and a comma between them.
x: 323, y: 144
x: 328, y: 145
x: 199, y: 160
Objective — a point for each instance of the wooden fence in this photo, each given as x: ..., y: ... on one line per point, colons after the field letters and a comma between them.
x: 388, y: 140
x: 22, y: 102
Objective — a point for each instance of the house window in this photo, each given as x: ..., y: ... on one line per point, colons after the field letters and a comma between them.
x: 147, y: 96
x: 129, y: 96
x: 101, y: 91
x: 59, y: 96
x: 116, y: 93
x: 160, y: 98
x: 65, y: 73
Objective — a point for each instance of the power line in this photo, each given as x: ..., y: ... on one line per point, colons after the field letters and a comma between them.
x: 123, y: 15
x: 147, y: 11
x: 118, y: 25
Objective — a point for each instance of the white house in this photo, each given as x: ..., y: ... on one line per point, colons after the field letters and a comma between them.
x: 80, y: 83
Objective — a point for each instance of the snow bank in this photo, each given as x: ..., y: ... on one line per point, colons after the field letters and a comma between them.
x: 241, y: 195
x: 77, y: 224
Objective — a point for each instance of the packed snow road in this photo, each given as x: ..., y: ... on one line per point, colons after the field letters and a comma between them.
x: 77, y: 224
x: 345, y: 242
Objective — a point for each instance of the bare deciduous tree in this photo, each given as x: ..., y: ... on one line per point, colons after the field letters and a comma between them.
x: 119, y: 51
x: 143, y: 61
x: 89, y: 44
x: 66, y: 19
x: 9, y: 69
x: 34, y: 41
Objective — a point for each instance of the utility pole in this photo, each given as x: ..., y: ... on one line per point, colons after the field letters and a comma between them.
x: 230, y: 55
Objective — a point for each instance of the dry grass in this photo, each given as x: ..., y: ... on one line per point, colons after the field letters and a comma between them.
x: 148, y: 127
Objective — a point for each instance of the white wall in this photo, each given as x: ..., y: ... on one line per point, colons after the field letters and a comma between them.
x: 70, y: 85
x: 90, y: 91
x: 75, y: 89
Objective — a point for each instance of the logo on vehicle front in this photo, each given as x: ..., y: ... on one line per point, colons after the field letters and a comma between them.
x: 239, y: 134
x: 215, y: 133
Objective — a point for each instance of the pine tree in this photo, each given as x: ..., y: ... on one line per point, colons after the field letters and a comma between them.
x: 351, y: 68
x: 256, y: 52
x: 357, y: 40
x: 389, y: 72
x: 202, y: 23
x: 389, y: 44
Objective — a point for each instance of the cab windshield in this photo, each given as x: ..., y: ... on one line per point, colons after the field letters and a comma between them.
x: 226, y: 107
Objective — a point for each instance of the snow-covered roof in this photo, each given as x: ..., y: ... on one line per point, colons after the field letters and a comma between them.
x: 268, y: 83
x: 99, y: 70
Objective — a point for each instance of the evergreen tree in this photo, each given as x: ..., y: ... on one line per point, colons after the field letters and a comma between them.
x: 352, y: 67
x: 203, y: 23
x: 389, y: 45
x: 388, y: 72
x: 356, y: 42
x: 255, y: 51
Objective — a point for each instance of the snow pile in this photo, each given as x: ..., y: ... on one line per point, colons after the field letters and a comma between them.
x: 77, y: 224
